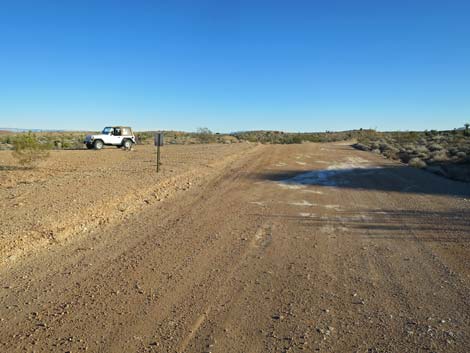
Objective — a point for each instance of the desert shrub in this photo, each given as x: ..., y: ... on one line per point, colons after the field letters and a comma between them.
x: 453, y: 151
x: 409, y: 147
x: 438, y: 138
x: 439, y: 156
x: 404, y: 157
x: 361, y: 147
x: 205, y: 135
x: 461, y: 155
x: 384, y: 146
x: 417, y: 163
x: 375, y: 146
x: 435, y: 147
x: 421, y: 149
x: 143, y: 137
x: 391, y: 153
x: 404, y: 137
x: 28, y: 150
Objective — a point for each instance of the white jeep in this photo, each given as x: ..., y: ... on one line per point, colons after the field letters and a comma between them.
x: 120, y: 136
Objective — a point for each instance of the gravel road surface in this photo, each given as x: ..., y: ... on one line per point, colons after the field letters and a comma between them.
x: 295, y: 248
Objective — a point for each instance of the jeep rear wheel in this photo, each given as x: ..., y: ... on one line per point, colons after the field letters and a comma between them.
x: 98, y: 144
x: 127, y: 144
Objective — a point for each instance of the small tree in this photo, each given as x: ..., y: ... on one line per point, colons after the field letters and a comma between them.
x: 467, y: 132
x: 28, y: 150
x: 205, y: 135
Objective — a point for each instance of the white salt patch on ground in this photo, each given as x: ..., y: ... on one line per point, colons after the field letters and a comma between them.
x: 301, y: 163
x: 302, y: 203
x: 328, y: 229
x: 259, y: 203
x: 291, y: 186
x: 313, y: 192
x: 306, y: 214
x: 316, y: 177
x: 353, y: 218
x: 326, y: 177
x: 358, y: 160
x: 281, y: 164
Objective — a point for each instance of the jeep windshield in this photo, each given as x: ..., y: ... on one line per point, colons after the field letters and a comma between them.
x: 107, y: 130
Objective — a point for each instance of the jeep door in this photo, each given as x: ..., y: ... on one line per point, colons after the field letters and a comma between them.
x: 116, y: 137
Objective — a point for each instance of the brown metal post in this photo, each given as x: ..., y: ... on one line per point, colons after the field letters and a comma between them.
x: 158, y: 158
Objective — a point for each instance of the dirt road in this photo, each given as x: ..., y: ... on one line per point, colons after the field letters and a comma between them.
x: 313, y: 247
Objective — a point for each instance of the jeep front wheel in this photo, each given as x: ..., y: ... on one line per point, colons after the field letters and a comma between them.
x: 98, y: 144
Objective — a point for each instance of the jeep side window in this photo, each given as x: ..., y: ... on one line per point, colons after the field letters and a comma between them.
x: 117, y: 132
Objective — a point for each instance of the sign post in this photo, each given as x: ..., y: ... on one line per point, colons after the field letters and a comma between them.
x: 158, y: 144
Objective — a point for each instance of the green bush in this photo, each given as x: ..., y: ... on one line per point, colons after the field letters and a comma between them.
x: 28, y: 150
x: 417, y: 163
x: 205, y: 135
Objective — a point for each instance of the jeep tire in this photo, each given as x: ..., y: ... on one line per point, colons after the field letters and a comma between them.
x: 98, y: 144
x: 127, y: 144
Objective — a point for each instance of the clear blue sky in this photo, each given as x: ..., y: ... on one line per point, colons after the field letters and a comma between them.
x: 235, y: 65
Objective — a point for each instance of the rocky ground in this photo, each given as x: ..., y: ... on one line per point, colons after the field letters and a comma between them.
x: 297, y: 248
x: 74, y: 192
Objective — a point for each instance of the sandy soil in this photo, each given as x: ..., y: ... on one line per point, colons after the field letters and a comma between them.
x: 314, y: 248
x: 75, y: 192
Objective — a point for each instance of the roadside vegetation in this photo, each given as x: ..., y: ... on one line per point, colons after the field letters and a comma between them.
x: 280, y: 137
x: 28, y: 150
x: 446, y: 153
x: 202, y: 135
x: 53, y: 140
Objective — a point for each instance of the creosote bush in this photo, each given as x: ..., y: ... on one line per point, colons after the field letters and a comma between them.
x: 442, y: 152
x: 417, y: 163
x: 28, y: 150
x: 205, y: 135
